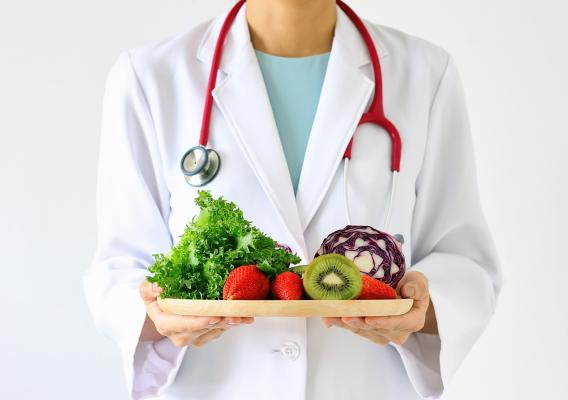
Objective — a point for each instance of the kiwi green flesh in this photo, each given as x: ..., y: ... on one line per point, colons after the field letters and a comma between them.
x: 332, y: 277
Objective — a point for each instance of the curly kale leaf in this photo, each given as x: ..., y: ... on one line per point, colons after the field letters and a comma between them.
x: 216, y: 241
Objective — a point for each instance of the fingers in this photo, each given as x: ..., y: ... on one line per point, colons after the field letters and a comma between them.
x: 224, y: 324
x: 356, y: 323
x: 233, y: 320
x: 368, y: 334
x: 199, y: 338
x: 149, y: 291
x: 359, y: 324
x: 181, y: 339
x: 183, y: 329
x: 191, y: 326
x: 377, y: 335
x: 395, y: 328
x: 414, y: 285
x: 196, y: 339
x: 329, y: 321
x: 205, y: 338
x: 168, y: 324
x: 412, y: 321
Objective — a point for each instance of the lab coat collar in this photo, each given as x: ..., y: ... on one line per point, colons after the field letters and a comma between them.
x: 239, y: 36
x: 242, y: 98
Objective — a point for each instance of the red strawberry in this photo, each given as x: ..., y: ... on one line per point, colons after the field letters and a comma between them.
x: 246, y: 283
x: 287, y: 286
x: 375, y: 289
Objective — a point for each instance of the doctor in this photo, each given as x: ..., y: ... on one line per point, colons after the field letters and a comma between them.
x: 294, y: 79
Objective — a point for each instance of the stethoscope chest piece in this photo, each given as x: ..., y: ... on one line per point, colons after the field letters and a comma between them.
x: 200, y: 165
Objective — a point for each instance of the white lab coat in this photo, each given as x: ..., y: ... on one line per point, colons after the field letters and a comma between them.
x: 152, y: 114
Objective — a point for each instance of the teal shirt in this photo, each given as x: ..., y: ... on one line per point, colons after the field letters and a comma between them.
x: 294, y: 86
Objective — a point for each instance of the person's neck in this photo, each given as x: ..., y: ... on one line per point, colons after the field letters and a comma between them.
x: 291, y: 28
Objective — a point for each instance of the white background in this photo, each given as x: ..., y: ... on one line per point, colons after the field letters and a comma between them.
x: 54, y: 57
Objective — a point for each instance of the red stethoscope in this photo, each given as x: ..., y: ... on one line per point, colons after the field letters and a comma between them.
x: 200, y: 164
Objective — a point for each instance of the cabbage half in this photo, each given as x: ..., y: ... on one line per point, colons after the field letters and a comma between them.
x: 375, y: 253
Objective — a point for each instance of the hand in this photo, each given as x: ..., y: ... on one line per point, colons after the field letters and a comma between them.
x: 395, y: 328
x: 181, y: 329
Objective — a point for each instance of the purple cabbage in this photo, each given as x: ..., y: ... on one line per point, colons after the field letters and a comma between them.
x: 375, y: 253
x: 283, y: 246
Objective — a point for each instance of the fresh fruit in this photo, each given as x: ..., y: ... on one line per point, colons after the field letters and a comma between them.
x: 246, y: 283
x: 332, y: 277
x: 375, y: 289
x: 287, y: 286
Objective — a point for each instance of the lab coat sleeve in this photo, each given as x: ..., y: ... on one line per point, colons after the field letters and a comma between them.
x: 451, y: 245
x: 132, y: 204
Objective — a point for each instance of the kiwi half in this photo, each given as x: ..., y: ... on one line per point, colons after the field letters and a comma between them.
x: 332, y: 277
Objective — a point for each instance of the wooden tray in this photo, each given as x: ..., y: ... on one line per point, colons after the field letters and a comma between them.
x: 285, y: 308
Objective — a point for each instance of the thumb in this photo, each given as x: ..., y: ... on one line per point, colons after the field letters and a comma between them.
x: 149, y: 291
x: 408, y: 291
x: 414, y: 287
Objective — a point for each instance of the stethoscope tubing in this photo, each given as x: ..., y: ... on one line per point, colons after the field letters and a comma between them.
x: 206, y: 119
x: 388, y: 212
x: 374, y: 115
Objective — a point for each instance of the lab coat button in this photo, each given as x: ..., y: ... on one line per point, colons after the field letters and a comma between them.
x: 290, y: 350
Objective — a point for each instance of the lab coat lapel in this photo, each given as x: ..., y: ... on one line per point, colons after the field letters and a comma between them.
x: 243, y: 100
x: 345, y: 95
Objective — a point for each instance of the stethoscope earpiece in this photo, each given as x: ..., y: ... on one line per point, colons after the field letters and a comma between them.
x: 200, y: 165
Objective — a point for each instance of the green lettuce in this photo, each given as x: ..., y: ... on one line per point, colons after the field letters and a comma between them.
x: 216, y: 241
